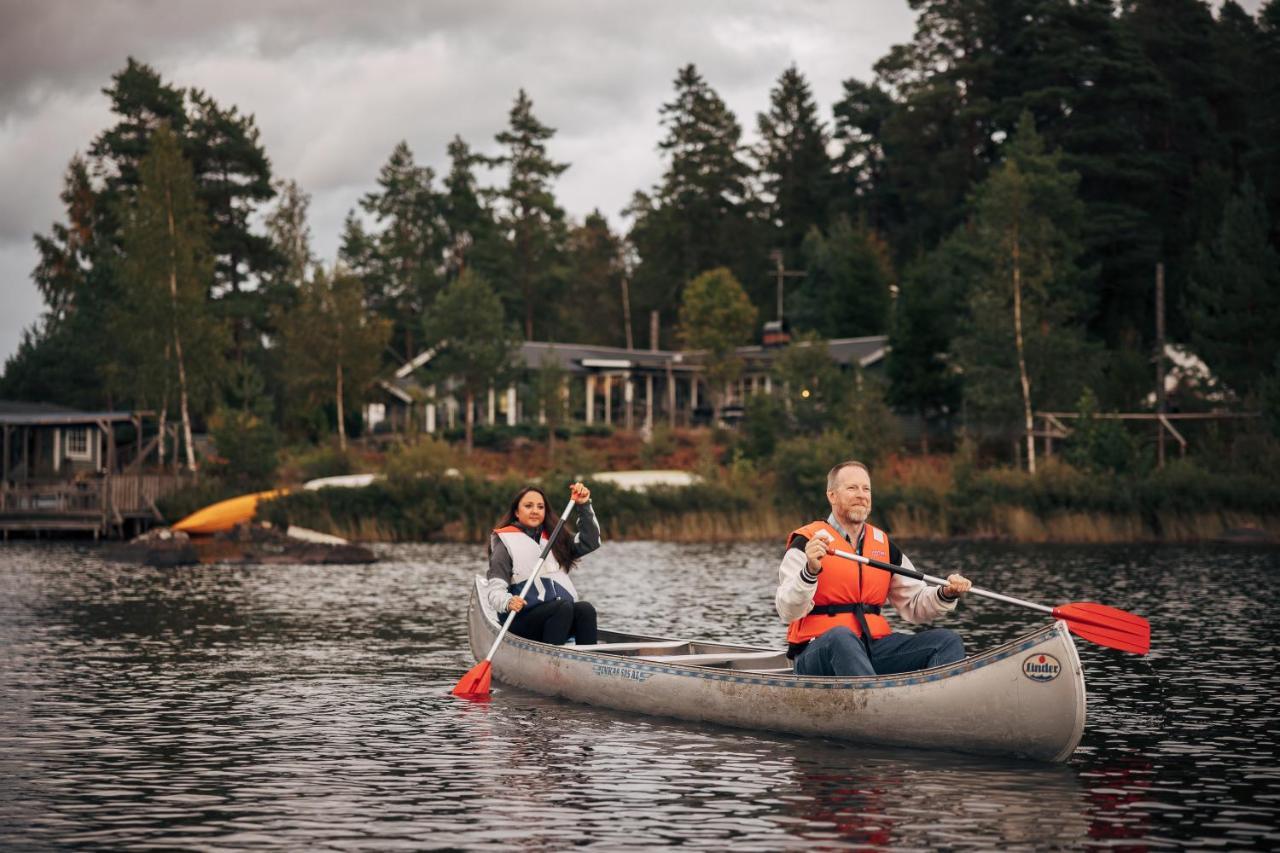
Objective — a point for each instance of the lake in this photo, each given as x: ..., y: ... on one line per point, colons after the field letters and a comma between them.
x: 307, y: 707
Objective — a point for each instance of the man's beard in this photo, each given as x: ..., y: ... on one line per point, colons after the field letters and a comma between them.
x: 858, y: 514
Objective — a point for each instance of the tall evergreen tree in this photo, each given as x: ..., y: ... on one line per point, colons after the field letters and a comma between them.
x: 1264, y: 160
x: 401, y: 262
x: 472, y: 239
x: 592, y: 311
x: 860, y: 177
x: 699, y: 216
x: 1234, y: 296
x: 1022, y: 344
x: 62, y: 357
x: 233, y: 178
x: 1183, y: 135
x: 794, y: 167
x: 932, y: 298
x: 845, y: 291
x: 531, y: 218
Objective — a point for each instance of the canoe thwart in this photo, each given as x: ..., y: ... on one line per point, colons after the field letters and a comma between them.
x: 723, y: 660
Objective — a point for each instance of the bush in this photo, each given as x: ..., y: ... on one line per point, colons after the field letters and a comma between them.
x: 425, y: 456
x: 1103, y: 445
x: 248, y: 448
x: 179, y: 504
x: 325, y: 461
x: 765, y: 420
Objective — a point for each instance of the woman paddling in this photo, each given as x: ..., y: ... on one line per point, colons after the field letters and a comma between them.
x: 551, y: 612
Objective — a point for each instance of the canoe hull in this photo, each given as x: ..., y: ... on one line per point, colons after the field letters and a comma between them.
x: 1023, y: 699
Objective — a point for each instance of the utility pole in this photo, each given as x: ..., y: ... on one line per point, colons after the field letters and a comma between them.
x: 782, y: 274
x: 626, y: 309
x: 1160, y: 399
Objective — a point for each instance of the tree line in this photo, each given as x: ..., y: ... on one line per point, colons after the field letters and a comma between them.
x: 995, y: 198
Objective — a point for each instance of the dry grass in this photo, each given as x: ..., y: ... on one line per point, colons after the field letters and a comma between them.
x: 929, y: 473
x: 764, y: 525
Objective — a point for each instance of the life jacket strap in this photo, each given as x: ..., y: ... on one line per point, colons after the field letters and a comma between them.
x: 833, y: 609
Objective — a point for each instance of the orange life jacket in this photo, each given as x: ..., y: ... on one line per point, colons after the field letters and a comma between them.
x: 845, y: 582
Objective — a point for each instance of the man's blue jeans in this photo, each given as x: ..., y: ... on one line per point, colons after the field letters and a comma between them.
x: 840, y: 652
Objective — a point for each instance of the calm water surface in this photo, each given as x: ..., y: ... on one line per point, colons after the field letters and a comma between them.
x: 304, y: 707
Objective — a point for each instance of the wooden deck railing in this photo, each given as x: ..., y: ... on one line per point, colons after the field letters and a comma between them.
x: 104, y: 502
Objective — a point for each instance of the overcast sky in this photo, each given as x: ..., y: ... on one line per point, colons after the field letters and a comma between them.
x: 334, y: 85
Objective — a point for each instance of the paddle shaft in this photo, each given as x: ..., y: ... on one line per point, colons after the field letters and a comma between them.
x: 921, y: 576
x: 532, y: 577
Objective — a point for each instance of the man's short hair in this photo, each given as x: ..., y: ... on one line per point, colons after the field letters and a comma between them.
x: 835, y: 472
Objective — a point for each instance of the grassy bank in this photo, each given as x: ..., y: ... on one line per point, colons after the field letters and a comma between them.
x: 915, y: 499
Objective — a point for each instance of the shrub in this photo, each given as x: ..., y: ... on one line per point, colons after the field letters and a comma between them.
x: 248, y: 448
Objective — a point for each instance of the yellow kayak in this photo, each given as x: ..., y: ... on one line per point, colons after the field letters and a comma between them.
x: 225, y: 515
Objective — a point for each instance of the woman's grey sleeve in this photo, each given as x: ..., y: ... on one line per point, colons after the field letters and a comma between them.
x: 498, y: 580
x: 500, y: 564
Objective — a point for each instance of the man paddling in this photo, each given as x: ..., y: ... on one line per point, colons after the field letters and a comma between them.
x: 832, y: 604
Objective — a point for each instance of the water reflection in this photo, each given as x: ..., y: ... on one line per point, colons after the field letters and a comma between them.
x: 233, y: 708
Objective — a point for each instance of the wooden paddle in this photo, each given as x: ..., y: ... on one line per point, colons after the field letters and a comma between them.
x: 1106, y: 626
x: 475, y: 684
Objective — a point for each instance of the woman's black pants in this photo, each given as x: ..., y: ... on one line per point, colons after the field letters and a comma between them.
x: 556, y: 621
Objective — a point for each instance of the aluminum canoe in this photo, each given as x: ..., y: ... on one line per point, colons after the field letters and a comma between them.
x: 1024, y: 699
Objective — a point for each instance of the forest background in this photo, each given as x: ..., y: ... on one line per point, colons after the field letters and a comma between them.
x: 995, y: 199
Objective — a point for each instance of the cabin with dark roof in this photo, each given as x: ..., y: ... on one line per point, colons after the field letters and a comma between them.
x: 67, y: 470
x: 631, y: 388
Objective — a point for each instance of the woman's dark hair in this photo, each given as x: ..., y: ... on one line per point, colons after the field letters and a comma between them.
x: 563, y: 546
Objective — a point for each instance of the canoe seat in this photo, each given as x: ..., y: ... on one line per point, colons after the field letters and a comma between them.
x: 636, y: 647
x: 777, y: 670
x: 722, y: 660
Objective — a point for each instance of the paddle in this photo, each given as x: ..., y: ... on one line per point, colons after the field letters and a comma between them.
x: 1106, y: 626
x: 475, y: 684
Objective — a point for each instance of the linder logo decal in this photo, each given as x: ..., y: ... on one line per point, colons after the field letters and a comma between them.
x: 1041, y: 667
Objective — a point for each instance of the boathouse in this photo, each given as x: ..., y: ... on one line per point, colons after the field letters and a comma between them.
x: 67, y: 470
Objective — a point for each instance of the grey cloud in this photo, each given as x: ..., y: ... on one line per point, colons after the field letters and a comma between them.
x: 334, y: 85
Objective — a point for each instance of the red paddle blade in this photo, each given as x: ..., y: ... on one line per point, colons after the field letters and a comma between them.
x: 475, y: 684
x: 1107, y: 626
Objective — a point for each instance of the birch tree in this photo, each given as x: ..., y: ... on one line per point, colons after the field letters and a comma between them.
x: 171, y: 341
x: 332, y: 345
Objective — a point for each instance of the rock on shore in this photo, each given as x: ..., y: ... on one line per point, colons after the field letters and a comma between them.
x: 246, y: 544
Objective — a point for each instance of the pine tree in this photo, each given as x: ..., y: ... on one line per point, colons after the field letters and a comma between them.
x: 699, y: 216
x: 532, y: 220
x: 860, y: 168
x: 1234, y: 296
x: 845, y: 291
x: 933, y: 295
x: 592, y: 310
x: 472, y: 239
x: 1022, y: 345
x: 794, y: 167
x: 402, y: 261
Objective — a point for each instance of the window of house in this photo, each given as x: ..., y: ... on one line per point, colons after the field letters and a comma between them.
x: 78, y: 443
